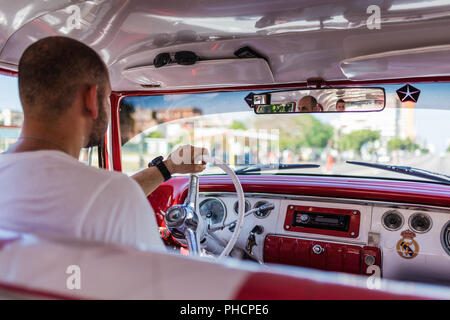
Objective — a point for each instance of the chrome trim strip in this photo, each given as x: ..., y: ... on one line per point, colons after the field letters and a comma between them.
x: 109, y: 146
x: 399, y: 205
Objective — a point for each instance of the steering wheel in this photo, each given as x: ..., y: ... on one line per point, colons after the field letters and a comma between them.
x: 184, y: 222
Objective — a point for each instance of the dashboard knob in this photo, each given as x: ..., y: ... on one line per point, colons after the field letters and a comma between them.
x: 304, y: 218
x: 369, y: 260
x: 318, y: 249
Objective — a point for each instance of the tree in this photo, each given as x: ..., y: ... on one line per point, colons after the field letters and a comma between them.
x: 238, y: 125
x: 155, y: 134
x: 356, y: 139
x: 296, y: 131
x: 317, y: 134
x: 402, y: 144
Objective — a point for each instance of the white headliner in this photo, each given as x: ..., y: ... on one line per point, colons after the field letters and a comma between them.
x: 301, y: 38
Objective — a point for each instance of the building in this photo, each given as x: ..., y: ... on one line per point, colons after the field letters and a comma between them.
x: 10, y: 117
x: 10, y: 126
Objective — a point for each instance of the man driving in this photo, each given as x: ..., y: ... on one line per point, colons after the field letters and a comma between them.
x: 64, y: 89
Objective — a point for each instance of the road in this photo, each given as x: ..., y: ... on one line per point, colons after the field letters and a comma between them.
x: 428, y: 162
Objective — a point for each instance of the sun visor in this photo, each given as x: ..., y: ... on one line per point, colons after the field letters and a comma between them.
x: 206, y: 73
x: 418, y: 62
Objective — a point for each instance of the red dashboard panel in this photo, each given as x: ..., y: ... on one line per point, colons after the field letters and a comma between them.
x: 353, y: 216
x: 320, y: 255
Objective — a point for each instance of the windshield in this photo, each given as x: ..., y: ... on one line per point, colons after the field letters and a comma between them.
x: 410, y: 134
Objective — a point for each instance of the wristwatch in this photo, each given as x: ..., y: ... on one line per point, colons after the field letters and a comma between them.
x: 158, y: 163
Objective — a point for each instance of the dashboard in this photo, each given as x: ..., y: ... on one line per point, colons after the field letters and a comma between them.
x: 406, y: 242
x: 395, y: 229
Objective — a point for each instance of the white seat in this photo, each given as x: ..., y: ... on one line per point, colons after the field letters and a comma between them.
x: 36, y: 266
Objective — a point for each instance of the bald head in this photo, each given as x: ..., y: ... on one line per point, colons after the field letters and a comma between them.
x: 307, y: 104
x: 51, y: 73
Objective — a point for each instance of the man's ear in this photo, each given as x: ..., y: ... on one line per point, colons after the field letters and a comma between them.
x: 90, y: 101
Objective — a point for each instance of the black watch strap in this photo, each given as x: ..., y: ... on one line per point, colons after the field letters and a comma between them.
x: 158, y: 163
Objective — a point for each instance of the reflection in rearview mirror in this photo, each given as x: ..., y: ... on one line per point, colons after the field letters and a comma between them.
x: 318, y: 100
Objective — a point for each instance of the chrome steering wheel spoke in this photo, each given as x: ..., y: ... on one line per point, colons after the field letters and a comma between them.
x: 192, y: 197
x: 183, y: 220
x: 187, y: 226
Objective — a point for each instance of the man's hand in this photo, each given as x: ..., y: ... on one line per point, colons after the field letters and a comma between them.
x: 186, y: 159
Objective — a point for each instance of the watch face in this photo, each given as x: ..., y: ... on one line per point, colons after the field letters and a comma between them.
x: 155, y: 161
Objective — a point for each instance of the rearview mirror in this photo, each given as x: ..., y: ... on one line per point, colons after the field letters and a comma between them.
x: 318, y: 100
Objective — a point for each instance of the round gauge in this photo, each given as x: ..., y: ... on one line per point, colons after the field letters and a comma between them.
x: 392, y: 220
x: 213, y: 209
x: 262, y: 213
x: 420, y: 222
x: 247, y: 206
x: 445, y: 237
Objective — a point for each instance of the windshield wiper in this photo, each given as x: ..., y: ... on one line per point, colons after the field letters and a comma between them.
x: 406, y: 170
x: 274, y: 166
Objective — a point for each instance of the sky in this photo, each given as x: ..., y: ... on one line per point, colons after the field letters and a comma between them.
x: 9, y: 93
x: 432, y: 119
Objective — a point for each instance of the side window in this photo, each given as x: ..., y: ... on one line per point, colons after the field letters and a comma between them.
x: 11, y: 115
x: 11, y: 120
x: 89, y: 156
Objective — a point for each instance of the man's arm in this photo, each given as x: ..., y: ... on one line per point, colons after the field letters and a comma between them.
x: 182, y: 160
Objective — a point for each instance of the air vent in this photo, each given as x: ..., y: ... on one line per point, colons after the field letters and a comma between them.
x: 261, y: 213
x: 247, y: 206
x: 445, y: 237
x: 392, y: 220
x: 420, y: 222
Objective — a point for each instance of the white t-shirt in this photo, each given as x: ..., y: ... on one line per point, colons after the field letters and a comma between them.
x: 50, y: 192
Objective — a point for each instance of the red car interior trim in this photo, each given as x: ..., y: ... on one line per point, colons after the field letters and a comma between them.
x: 369, y: 252
x: 116, y: 142
x: 267, y: 286
x: 8, y: 72
x: 8, y: 240
x: 353, y: 228
x: 321, y: 255
x: 28, y: 293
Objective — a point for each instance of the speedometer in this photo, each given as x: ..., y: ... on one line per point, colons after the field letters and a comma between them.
x: 213, y: 209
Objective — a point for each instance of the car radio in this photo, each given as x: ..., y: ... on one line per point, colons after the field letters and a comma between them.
x: 328, y: 221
